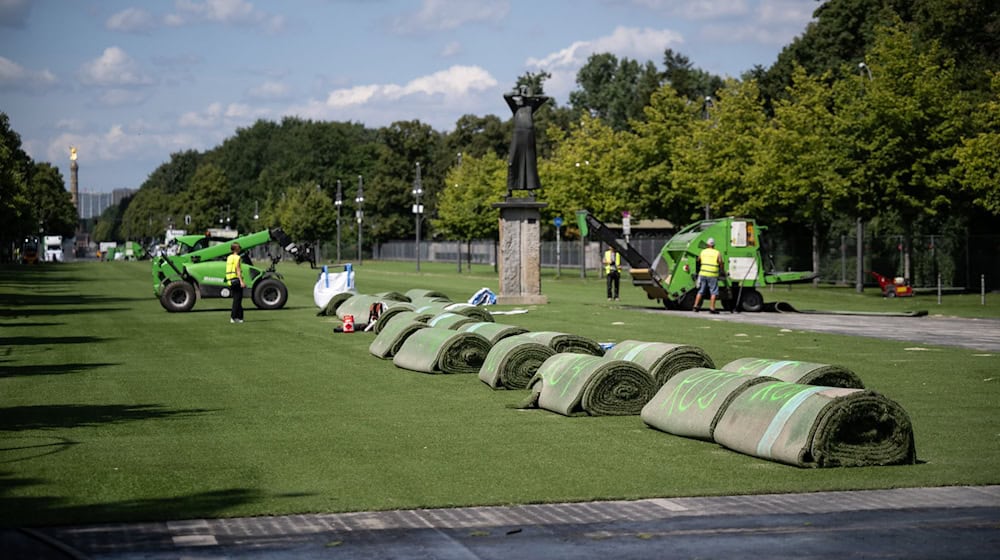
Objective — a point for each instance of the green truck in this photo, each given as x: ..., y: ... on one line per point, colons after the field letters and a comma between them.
x: 195, y: 267
x: 672, y: 276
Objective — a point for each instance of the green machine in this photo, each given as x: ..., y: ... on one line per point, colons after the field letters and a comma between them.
x: 672, y: 276
x: 195, y: 267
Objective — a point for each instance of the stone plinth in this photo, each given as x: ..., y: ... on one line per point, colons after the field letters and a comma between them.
x: 520, y: 252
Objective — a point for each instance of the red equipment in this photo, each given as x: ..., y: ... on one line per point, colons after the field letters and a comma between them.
x: 893, y: 287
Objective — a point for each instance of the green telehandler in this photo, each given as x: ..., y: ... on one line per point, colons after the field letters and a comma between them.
x: 672, y: 276
x: 195, y: 267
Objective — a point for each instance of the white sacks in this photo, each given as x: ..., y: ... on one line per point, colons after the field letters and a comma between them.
x: 330, y: 284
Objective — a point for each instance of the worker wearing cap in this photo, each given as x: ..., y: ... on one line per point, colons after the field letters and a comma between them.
x: 709, y: 269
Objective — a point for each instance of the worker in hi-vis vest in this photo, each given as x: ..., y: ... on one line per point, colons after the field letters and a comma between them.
x: 709, y: 270
x: 234, y: 277
x: 612, y: 267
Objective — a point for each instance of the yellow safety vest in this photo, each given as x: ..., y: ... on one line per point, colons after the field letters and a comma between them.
x: 709, y: 262
x: 232, y: 267
x: 607, y: 261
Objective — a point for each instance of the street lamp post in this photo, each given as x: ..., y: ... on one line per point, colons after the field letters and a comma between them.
x: 360, y: 213
x: 859, y: 284
x: 418, y: 209
x: 338, y: 203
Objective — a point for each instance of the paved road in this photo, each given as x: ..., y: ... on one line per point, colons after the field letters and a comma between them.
x: 955, y: 522
x: 977, y: 334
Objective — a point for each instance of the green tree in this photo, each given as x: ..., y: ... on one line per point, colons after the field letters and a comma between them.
x: 464, y: 210
x: 52, y: 203
x: 715, y: 158
x: 649, y: 157
x: 306, y: 214
x: 687, y: 81
x: 614, y: 91
x: 15, y: 207
x: 207, y: 197
x: 979, y: 156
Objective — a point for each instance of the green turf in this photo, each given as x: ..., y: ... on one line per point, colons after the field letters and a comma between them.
x: 112, y: 409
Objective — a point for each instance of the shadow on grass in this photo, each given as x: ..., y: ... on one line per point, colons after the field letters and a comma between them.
x: 37, y: 298
x: 43, y: 417
x: 26, y: 511
x: 35, y: 340
x: 59, y: 369
x: 31, y: 325
x: 49, y: 312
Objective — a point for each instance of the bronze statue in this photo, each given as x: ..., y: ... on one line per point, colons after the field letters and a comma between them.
x: 522, y: 167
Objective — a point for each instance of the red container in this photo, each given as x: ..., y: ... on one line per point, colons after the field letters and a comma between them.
x: 348, y: 323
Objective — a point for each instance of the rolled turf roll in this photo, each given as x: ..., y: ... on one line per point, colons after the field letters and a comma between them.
x: 435, y: 349
x: 810, y: 426
x: 448, y: 320
x: 392, y: 296
x: 691, y: 402
x: 335, y: 302
x: 661, y: 359
x: 562, y: 342
x: 576, y: 384
x: 359, y: 306
x: 388, y: 342
x: 494, y: 332
x: 513, y: 361
x: 806, y: 373
x: 392, y: 309
x: 469, y: 310
x: 417, y: 293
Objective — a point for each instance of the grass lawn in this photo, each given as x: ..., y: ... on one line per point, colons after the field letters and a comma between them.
x: 112, y: 409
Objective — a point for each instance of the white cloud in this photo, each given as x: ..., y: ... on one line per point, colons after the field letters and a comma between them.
x: 114, y: 68
x: 131, y: 20
x: 639, y: 44
x: 227, y: 12
x: 269, y: 90
x: 451, y: 49
x: 774, y: 22
x: 13, y: 76
x: 119, y: 142
x: 219, y: 116
x: 442, y: 15
x: 451, y: 83
x: 698, y: 9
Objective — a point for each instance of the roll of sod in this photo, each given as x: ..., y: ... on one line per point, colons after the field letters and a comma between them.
x: 435, y: 349
x: 494, y: 332
x: 358, y: 306
x: 392, y: 296
x: 513, y: 361
x: 417, y: 293
x: 690, y: 403
x: 475, y: 311
x: 448, y: 320
x: 388, y: 342
x: 392, y: 309
x: 805, y: 373
x: 578, y: 384
x: 810, y: 426
x: 661, y: 359
x: 562, y: 342
x: 335, y: 302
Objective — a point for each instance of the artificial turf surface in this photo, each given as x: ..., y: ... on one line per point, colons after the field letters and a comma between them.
x: 112, y: 409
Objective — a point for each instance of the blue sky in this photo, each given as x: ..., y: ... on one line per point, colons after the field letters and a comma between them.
x: 128, y: 82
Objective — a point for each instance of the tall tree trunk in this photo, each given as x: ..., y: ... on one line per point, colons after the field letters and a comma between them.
x: 815, y: 254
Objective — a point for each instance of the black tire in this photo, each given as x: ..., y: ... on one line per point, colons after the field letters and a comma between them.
x: 270, y: 294
x: 890, y: 293
x: 751, y: 301
x: 686, y: 301
x: 178, y: 297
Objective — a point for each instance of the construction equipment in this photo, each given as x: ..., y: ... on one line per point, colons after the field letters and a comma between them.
x: 893, y: 287
x: 672, y: 276
x: 197, y: 269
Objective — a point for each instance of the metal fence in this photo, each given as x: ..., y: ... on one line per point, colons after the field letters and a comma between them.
x: 962, y: 261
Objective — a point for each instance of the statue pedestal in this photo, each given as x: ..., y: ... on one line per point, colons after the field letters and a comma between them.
x: 520, y: 252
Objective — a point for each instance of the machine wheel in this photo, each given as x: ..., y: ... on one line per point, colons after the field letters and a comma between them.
x: 890, y: 293
x: 686, y: 301
x: 751, y: 301
x: 178, y: 297
x: 269, y: 294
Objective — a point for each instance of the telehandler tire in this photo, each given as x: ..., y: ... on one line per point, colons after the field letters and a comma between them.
x: 269, y: 294
x: 751, y: 301
x: 178, y: 297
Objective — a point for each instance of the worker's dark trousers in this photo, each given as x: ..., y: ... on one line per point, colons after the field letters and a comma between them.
x: 613, y: 283
x: 237, y: 292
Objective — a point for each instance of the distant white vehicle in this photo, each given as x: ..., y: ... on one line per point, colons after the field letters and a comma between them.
x: 53, y: 249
